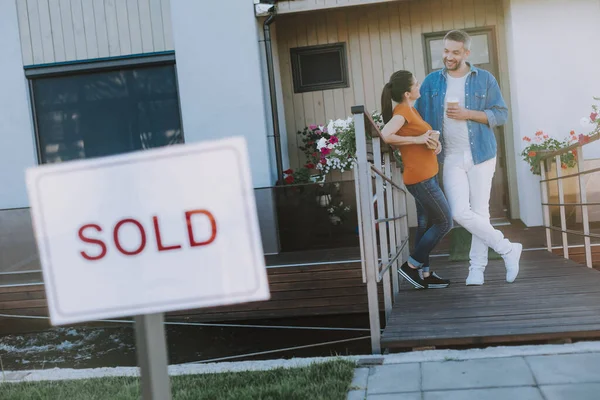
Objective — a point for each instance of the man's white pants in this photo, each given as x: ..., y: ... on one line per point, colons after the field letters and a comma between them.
x: 467, y: 188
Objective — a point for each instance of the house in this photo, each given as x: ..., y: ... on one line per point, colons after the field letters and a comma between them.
x: 85, y: 78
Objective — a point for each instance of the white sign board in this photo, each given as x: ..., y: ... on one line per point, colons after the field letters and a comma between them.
x: 154, y: 231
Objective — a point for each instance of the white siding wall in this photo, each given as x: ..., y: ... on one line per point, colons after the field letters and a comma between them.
x: 68, y: 30
x: 16, y: 134
x: 553, y: 77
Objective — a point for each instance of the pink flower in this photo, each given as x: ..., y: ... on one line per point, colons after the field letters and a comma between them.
x: 325, y: 151
x: 313, y: 127
x: 539, y: 133
x: 527, y: 138
x: 593, y: 116
x: 583, y: 139
x: 333, y: 140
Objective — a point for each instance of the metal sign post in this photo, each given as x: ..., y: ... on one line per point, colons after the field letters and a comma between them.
x: 152, y: 357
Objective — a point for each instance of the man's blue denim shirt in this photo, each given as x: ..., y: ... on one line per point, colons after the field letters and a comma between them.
x: 482, y: 93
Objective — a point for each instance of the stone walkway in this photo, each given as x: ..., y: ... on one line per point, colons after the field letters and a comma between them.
x: 543, y: 377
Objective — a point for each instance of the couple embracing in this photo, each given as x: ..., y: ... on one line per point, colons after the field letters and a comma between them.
x: 450, y: 117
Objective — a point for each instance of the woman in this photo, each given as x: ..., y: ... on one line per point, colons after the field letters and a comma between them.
x: 405, y: 129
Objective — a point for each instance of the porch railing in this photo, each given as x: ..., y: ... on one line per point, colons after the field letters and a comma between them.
x: 382, y: 218
x: 547, y: 159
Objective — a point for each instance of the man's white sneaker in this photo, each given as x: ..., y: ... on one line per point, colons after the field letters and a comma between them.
x: 511, y: 262
x: 475, y: 277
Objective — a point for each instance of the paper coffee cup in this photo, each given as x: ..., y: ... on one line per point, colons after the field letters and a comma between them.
x: 436, y: 136
x: 452, y: 101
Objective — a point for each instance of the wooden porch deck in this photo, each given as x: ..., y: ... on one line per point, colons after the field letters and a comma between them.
x: 553, y: 298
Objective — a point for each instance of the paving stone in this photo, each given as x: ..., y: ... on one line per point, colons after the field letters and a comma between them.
x: 578, y: 391
x: 565, y: 368
x: 396, y: 396
x: 474, y: 374
x: 517, y: 393
x: 394, y: 378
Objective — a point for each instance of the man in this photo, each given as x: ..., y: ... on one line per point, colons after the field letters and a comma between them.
x: 464, y: 103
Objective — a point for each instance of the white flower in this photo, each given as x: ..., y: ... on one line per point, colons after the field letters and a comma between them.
x: 321, y: 143
x: 331, y: 128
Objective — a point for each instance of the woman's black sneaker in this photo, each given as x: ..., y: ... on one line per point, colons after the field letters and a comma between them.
x: 433, y: 281
x: 412, y: 276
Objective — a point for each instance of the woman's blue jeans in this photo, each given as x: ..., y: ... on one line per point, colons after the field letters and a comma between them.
x: 433, y: 218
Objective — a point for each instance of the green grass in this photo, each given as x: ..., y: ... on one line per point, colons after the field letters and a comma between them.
x: 328, y: 381
x: 460, y: 246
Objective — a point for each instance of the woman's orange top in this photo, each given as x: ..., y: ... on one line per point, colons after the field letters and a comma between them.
x: 420, y: 162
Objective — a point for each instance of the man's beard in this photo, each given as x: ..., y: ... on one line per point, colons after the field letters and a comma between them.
x: 457, y: 65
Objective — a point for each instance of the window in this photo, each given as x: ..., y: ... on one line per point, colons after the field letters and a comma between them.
x: 482, y: 41
x: 93, y: 113
x: 319, y: 67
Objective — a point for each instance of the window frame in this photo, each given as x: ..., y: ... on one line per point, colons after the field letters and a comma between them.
x: 68, y: 68
x: 297, y: 52
x: 488, y: 30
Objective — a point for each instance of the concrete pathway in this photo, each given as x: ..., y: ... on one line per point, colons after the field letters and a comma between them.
x: 531, y: 377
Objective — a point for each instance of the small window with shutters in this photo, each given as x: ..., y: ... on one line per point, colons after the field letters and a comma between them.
x: 319, y: 67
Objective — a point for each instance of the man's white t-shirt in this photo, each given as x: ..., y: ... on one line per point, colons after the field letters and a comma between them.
x: 456, y: 132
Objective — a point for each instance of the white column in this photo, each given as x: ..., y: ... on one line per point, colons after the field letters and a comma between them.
x: 221, y: 88
x: 219, y: 75
x: 17, y: 147
x: 548, y: 91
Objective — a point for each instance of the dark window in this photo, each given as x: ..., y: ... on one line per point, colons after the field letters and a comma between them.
x: 319, y: 67
x: 93, y: 114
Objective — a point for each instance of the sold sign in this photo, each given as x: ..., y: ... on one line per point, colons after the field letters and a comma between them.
x: 160, y: 246
x: 149, y: 232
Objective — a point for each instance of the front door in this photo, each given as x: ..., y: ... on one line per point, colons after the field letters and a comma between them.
x: 483, y: 55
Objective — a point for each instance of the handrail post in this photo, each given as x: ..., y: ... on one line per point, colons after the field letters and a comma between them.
x: 584, y: 209
x: 368, y: 252
x: 361, y: 239
x: 561, y: 201
x: 383, y: 231
x: 390, y: 193
x: 401, y: 209
x: 546, y: 207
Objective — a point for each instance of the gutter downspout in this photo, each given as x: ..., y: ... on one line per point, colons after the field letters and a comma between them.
x: 273, y: 96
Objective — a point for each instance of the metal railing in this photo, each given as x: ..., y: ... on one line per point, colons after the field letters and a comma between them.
x: 382, y: 218
x: 546, y: 160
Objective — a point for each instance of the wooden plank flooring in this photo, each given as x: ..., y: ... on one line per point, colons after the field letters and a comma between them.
x: 552, y: 298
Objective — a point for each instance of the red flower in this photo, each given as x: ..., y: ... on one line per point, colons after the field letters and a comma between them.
x: 593, y: 116
x: 314, y: 154
x: 323, y: 161
x: 325, y: 151
x: 288, y: 171
x: 583, y: 139
x: 310, y: 165
x: 289, y: 179
x: 546, y: 136
x: 574, y: 151
x: 333, y: 140
x: 532, y: 154
x: 310, y: 143
x: 563, y: 166
x: 527, y: 138
x: 539, y: 133
x: 572, y: 133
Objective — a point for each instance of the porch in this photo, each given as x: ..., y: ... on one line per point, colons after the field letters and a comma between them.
x: 553, y: 298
